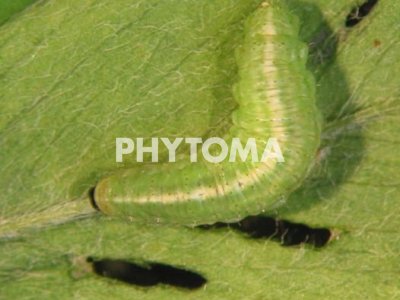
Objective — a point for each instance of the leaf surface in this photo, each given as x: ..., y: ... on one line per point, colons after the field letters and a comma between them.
x: 76, y: 74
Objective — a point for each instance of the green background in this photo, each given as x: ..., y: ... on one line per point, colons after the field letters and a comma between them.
x: 76, y: 74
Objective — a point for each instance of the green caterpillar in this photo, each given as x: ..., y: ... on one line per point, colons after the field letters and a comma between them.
x: 276, y: 98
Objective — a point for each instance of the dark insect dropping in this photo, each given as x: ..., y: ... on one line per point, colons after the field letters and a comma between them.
x: 360, y: 12
x: 146, y: 275
x: 284, y: 232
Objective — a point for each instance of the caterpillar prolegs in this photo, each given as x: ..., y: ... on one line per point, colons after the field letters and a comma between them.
x: 276, y: 98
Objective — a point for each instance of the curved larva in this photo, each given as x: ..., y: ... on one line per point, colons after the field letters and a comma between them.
x: 276, y: 99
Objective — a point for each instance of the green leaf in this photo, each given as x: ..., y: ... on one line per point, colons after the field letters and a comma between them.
x: 10, y: 8
x: 76, y: 74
